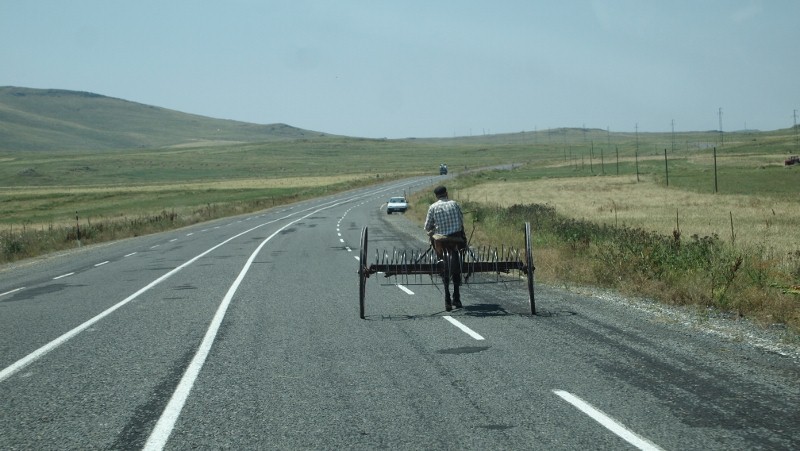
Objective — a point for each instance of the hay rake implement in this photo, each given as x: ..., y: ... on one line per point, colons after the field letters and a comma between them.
x: 476, y: 265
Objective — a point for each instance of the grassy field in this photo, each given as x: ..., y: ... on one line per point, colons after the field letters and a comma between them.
x: 44, y: 188
x: 764, y: 221
x: 51, y: 200
x: 677, y: 217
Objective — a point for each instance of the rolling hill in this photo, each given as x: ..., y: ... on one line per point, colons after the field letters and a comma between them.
x: 53, y: 119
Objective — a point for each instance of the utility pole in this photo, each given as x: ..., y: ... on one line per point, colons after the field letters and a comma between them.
x: 673, y: 136
x: 796, y: 139
x: 637, y: 152
x: 721, y: 136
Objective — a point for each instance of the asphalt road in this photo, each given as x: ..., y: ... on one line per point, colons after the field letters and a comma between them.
x: 245, y: 333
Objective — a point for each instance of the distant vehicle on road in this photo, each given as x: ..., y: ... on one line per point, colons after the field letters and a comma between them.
x: 396, y: 204
x: 442, y: 169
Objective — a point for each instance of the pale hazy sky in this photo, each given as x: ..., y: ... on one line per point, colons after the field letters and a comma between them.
x: 422, y: 68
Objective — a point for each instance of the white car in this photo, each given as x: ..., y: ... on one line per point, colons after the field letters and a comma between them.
x: 396, y: 204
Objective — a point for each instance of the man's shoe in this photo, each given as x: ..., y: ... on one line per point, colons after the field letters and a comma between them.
x: 457, y: 304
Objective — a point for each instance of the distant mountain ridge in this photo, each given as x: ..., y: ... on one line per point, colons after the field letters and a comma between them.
x: 56, y: 119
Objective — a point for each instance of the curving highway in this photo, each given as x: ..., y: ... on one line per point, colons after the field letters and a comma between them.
x: 244, y: 333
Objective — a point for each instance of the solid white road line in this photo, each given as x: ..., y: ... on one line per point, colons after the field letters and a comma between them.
x: 464, y: 328
x: 608, y: 422
x: 163, y: 428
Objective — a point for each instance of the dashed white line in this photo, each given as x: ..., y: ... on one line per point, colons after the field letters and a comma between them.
x: 63, y: 275
x: 44, y: 350
x: 173, y: 240
x: 608, y: 422
x: 153, y: 247
x: 464, y: 328
x: 12, y: 291
x: 132, y: 253
x: 101, y: 263
x: 405, y: 289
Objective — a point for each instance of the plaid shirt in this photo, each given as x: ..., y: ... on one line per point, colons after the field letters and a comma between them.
x: 444, y: 217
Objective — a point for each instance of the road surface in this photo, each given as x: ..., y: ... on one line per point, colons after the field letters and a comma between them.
x: 244, y: 333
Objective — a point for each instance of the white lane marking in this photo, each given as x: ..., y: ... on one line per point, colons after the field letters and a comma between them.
x: 12, y: 291
x: 132, y: 253
x: 173, y: 240
x: 44, y: 350
x: 357, y: 257
x: 190, y: 234
x: 163, y: 428
x: 608, y: 422
x: 405, y: 289
x: 101, y: 263
x: 348, y: 249
x: 153, y: 247
x: 464, y: 328
x: 63, y: 275
x: 341, y: 240
x: 41, y: 352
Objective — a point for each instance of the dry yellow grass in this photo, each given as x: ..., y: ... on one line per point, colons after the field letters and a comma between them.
x: 758, y: 221
x: 256, y: 183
